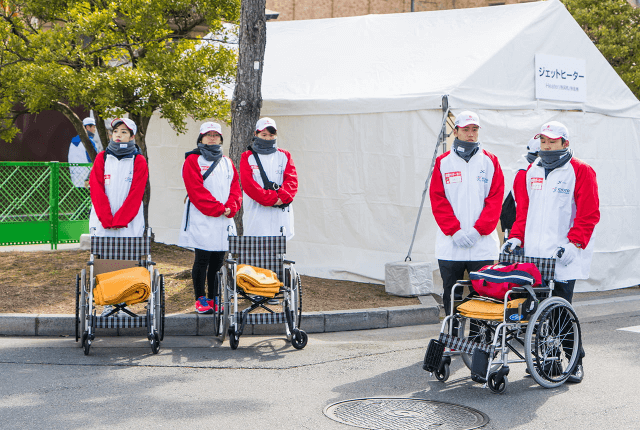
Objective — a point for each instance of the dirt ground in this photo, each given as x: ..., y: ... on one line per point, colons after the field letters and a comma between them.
x: 44, y: 282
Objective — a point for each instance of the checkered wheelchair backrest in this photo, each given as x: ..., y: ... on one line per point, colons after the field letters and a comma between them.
x: 546, y: 266
x: 266, y: 252
x: 120, y: 248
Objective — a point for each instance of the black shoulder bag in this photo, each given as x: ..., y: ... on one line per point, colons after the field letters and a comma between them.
x: 268, y: 185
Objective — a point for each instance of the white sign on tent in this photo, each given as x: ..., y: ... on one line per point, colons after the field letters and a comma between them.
x: 560, y: 78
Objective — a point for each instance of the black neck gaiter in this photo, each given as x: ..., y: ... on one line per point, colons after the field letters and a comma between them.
x: 121, y: 149
x: 210, y: 152
x: 465, y: 150
x: 553, y: 159
x: 262, y: 146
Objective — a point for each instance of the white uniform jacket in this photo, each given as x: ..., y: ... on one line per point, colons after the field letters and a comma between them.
x: 203, y: 224
x: 465, y: 195
x: 563, y: 207
x: 117, y: 187
x: 260, y: 218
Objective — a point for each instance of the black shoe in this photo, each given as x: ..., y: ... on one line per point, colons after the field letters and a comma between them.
x: 577, y: 375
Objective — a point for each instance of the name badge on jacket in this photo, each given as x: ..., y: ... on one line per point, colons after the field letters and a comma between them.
x: 452, y: 177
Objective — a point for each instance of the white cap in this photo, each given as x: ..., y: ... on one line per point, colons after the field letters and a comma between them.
x: 466, y: 118
x: 210, y: 126
x: 534, y: 145
x: 554, y: 130
x: 88, y: 121
x: 130, y: 124
x: 264, y: 123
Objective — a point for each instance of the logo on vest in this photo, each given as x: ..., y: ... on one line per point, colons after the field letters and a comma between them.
x: 536, y: 183
x: 561, y: 190
x: 452, y: 178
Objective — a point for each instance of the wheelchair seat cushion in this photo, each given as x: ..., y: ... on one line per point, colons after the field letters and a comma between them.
x: 487, y: 310
x: 256, y: 280
x: 131, y: 286
x: 495, y: 280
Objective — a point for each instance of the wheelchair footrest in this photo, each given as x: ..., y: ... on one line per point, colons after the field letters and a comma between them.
x: 118, y: 322
x: 479, y: 366
x: 262, y: 318
x: 464, y: 345
x: 433, y: 356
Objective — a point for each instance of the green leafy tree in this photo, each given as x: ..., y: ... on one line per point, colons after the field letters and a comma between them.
x: 614, y: 27
x: 115, y: 57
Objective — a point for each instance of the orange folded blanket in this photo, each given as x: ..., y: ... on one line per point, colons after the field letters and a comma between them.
x: 258, y: 281
x: 127, y: 285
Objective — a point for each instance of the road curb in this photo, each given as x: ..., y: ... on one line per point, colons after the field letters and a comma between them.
x: 202, y: 325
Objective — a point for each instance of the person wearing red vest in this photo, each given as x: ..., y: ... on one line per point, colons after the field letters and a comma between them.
x: 466, y: 194
x: 558, y: 214
x: 268, y: 207
x: 213, y: 198
x: 117, y: 182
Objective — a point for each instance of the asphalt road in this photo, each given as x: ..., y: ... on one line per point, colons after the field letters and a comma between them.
x: 194, y: 382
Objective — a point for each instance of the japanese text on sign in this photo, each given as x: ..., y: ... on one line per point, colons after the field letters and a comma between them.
x: 560, y: 78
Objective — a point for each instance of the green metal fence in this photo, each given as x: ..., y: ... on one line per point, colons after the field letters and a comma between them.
x: 43, y: 203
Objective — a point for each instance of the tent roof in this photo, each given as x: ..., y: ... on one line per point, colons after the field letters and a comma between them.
x: 480, y: 57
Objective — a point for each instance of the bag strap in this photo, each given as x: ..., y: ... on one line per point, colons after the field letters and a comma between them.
x: 204, y: 178
x: 265, y: 179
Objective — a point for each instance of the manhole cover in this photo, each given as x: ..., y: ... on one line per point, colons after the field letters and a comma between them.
x: 399, y: 414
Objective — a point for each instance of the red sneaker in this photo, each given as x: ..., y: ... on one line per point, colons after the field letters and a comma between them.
x: 214, y: 306
x: 202, y: 306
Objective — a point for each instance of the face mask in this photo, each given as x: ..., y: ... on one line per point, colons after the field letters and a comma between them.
x: 554, y: 159
x: 122, y: 148
x: 465, y: 150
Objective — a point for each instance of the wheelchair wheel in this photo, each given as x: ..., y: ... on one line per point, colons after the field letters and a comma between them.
x: 222, y: 316
x: 77, y: 307
x: 552, y: 342
x: 497, y: 383
x: 234, y: 339
x: 299, y: 339
x: 81, y: 303
x: 479, y: 331
x: 159, y: 304
x: 155, y: 342
x: 443, y: 372
x: 86, y: 343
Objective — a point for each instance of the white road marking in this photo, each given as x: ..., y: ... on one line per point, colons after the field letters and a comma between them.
x: 634, y: 329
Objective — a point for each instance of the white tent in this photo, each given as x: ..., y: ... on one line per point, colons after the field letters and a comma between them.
x: 357, y: 102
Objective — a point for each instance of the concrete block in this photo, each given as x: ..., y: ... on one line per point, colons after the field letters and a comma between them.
x: 361, y: 319
x: 85, y: 242
x: 266, y: 329
x: 17, y: 325
x: 55, y: 325
x: 312, y: 322
x: 400, y: 316
x: 407, y: 279
x: 206, y: 324
x: 180, y: 325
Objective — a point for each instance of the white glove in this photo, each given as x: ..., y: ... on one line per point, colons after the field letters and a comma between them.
x: 568, y: 255
x: 461, y: 239
x: 510, y: 245
x: 473, y: 235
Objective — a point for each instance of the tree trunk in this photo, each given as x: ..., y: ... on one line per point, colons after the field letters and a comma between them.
x: 142, y: 122
x: 77, y: 124
x: 101, y: 129
x: 247, y: 96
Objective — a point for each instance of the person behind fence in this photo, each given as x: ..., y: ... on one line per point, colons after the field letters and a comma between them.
x: 213, y: 198
x: 558, y: 213
x: 269, y: 182
x: 508, y: 213
x: 78, y: 154
x: 117, y: 182
x: 466, y: 193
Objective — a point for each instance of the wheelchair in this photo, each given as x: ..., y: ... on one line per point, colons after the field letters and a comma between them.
x: 267, y: 252
x: 109, y: 254
x: 546, y: 336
